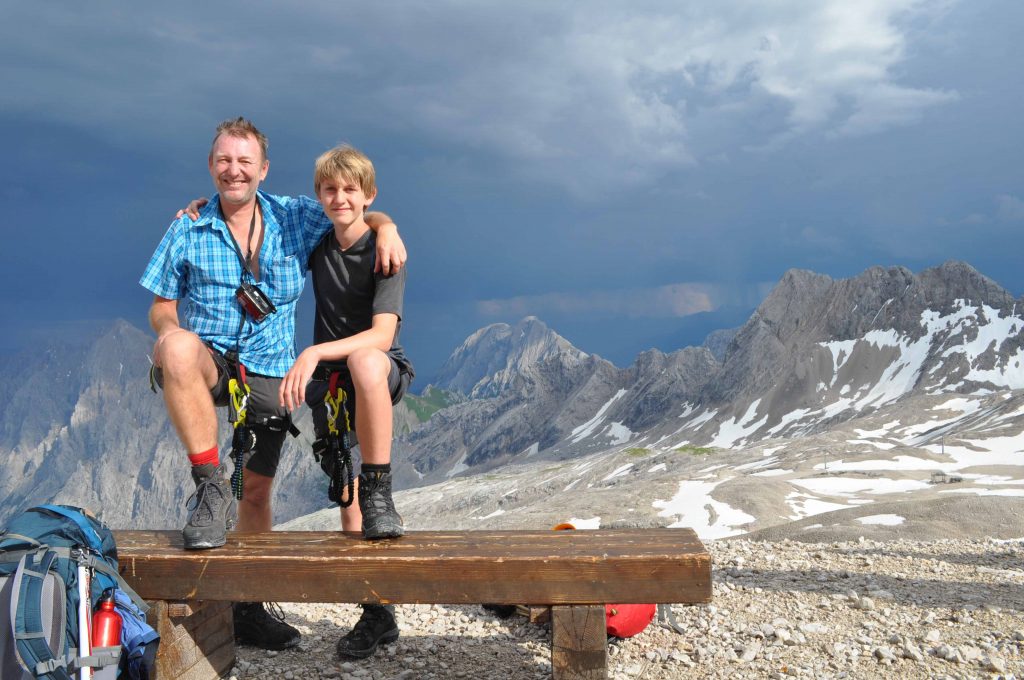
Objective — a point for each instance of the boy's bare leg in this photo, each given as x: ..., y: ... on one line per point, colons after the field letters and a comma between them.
x: 352, y: 517
x: 370, y: 369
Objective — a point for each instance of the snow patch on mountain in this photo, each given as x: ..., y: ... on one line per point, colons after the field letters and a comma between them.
x: 587, y: 428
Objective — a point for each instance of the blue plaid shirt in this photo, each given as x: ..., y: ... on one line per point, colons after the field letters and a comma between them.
x: 197, y: 264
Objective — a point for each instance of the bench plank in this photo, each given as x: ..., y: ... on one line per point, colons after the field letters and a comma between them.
x: 501, y: 567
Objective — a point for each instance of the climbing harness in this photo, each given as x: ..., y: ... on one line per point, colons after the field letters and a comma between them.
x: 334, y: 450
x: 245, y: 424
x: 243, y: 440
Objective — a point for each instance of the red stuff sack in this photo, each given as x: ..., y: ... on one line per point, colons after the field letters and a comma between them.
x: 627, y: 620
x: 622, y: 620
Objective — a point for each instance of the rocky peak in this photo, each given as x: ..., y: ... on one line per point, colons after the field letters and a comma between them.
x: 492, y: 358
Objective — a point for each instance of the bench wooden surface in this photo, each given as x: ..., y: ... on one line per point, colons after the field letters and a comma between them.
x: 577, y: 572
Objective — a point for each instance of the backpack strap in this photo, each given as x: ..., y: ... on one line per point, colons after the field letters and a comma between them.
x: 11, y: 536
x: 30, y: 642
x: 92, y: 560
x: 79, y: 520
x: 101, y: 566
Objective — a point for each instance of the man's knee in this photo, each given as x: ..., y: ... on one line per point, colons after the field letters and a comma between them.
x: 183, y: 354
x: 369, y: 368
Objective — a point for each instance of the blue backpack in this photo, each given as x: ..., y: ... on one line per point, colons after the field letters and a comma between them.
x: 43, y: 551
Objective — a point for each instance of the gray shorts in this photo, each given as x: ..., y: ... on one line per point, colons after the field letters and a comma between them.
x: 264, y: 401
x: 316, y: 390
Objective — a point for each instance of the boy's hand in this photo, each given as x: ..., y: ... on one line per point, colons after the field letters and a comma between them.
x: 194, y: 207
x: 391, y: 253
x: 293, y: 386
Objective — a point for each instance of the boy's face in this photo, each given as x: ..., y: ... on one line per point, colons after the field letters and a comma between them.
x: 343, y: 200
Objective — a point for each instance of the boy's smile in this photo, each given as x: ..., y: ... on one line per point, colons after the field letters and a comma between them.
x: 344, y: 201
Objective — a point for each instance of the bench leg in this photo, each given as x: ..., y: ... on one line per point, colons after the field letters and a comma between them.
x: 579, y: 642
x: 197, y: 640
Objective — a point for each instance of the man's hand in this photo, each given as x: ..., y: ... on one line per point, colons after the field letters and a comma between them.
x: 193, y: 209
x: 391, y: 253
x: 293, y: 386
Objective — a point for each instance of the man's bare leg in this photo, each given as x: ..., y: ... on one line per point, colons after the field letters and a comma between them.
x: 254, y: 511
x: 188, y: 376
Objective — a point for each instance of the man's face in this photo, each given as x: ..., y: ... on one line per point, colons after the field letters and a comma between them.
x: 343, y: 200
x: 237, y: 167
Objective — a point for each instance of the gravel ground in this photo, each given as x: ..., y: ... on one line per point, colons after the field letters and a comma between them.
x: 862, y: 609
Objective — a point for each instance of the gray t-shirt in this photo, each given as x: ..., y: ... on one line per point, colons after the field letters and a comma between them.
x: 348, y: 292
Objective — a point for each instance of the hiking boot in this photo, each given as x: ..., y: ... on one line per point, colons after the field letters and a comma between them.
x: 375, y: 627
x: 502, y: 611
x: 212, y: 509
x: 258, y: 627
x: 380, y: 519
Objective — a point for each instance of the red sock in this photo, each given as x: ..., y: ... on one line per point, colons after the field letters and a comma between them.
x: 208, y: 457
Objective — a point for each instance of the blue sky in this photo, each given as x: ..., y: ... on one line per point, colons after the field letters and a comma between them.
x: 634, y: 176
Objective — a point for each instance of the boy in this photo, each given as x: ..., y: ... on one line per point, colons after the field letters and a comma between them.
x: 358, y: 319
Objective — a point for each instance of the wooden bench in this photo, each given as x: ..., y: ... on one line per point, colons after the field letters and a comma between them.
x: 574, y: 572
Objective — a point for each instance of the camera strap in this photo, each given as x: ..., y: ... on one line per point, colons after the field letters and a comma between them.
x: 246, y: 262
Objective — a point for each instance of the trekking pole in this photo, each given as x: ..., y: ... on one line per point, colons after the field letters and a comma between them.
x: 84, y: 619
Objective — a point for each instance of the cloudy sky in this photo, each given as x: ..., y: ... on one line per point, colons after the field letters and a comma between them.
x: 634, y: 175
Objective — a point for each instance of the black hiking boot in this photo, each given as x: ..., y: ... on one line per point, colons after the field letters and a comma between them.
x: 258, y: 627
x: 375, y: 627
x: 380, y: 519
x: 502, y: 611
x: 212, y: 509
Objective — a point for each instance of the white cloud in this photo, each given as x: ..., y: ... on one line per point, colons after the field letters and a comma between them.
x: 607, y: 94
x: 671, y: 301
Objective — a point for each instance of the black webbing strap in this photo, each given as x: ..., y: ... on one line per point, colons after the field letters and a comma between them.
x: 335, y: 450
x: 243, y: 439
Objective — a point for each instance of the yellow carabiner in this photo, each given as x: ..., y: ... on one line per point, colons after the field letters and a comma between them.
x: 239, y: 400
x: 333, y: 409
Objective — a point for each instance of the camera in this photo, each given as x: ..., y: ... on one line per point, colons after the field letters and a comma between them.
x: 254, y: 301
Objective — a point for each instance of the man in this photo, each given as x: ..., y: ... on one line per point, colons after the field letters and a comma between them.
x: 225, y: 288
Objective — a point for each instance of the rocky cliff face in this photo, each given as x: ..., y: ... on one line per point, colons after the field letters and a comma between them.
x: 816, y: 352
x: 543, y: 394
x: 81, y: 426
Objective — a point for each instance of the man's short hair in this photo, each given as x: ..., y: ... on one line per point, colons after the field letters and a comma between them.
x: 242, y: 128
x: 345, y: 162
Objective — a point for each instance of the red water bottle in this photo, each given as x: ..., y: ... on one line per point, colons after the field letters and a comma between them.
x: 106, y: 622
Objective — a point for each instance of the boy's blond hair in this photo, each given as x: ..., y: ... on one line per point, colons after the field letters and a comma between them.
x: 345, y: 162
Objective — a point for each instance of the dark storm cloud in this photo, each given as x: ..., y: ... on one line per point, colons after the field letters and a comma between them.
x: 556, y: 157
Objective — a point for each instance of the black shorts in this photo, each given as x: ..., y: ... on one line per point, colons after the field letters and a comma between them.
x: 316, y: 390
x: 264, y: 401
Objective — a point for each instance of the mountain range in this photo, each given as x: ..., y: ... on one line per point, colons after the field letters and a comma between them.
x: 819, y: 360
